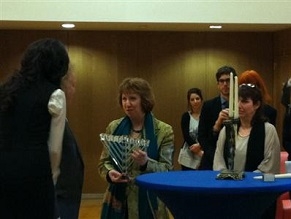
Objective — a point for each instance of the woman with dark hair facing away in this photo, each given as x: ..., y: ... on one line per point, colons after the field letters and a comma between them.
x: 191, y: 153
x: 123, y: 199
x: 32, y: 119
x: 253, y: 77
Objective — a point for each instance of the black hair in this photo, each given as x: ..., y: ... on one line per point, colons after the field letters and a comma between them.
x: 194, y: 90
x: 45, y: 59
x: 251, y: 91
x: 225, y: 70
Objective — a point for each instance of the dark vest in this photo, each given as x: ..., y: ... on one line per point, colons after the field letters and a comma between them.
x: 24, y: 129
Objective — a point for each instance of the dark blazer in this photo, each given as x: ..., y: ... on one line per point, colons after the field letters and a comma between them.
x: 286, y: 133
x: 270, y: 113
x: 206, y: 137
x: 286, y: 93
x: 70, y: 182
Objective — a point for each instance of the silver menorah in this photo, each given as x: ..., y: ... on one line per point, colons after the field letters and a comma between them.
x: 120, y: 148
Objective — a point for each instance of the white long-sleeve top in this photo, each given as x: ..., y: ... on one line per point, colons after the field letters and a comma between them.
x: 271, y: 161
x: 57, y: 108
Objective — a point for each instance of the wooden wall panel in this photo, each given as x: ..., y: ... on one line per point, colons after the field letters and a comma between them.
x: 94, y: 60
x: 13, y: 43
x: 172, y: 62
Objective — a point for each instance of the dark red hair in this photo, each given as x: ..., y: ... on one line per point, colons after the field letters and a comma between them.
x: 253, y: 77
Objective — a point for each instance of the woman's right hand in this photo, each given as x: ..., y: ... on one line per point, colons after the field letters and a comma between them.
x: 117, y: 177
x: 195, y: 148
x: 223, y: 115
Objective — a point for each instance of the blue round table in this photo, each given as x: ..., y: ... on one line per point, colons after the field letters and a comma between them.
x: 198, y: 194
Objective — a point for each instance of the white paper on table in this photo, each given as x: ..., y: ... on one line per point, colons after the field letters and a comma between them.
x: 277, y: 176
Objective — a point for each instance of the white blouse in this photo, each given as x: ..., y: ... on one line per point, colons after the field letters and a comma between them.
x: 57, y: 109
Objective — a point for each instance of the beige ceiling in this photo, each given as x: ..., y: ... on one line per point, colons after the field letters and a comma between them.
x: 198, y: 27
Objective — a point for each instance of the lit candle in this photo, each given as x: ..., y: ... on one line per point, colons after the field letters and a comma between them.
x: 235, y: 97
x: 230, y: 98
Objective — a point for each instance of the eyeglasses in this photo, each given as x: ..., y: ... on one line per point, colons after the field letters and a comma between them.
x: 248, y: 85
x: 222, y: 81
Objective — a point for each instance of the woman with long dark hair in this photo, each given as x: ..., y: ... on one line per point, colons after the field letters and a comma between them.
x: 191, y: 152
x: 32, y: 119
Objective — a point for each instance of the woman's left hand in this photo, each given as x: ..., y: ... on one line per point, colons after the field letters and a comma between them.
x: 140, y: 157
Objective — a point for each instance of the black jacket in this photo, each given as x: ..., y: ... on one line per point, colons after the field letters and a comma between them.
x: 206, y: 137
x: 70, y: 181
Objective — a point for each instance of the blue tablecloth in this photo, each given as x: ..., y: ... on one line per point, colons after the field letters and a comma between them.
x: 198, y: 194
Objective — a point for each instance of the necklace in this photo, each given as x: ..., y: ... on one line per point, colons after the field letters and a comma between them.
x: 136, y: 131
x: 244, y: 132
x: 243, y: 135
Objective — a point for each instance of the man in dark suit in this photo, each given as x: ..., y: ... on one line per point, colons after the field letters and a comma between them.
x: 286, y: 133
x: 70, y: 181
x: 213, y: 113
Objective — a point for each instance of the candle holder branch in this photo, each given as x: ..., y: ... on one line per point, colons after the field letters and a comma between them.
x: 120, y: 149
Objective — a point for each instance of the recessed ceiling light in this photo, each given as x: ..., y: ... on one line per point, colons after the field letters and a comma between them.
x: 215, y: 26
x: 68, y: 26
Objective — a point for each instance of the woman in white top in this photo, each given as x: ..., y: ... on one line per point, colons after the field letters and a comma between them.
x: 257, y: 146
x: 191, y: 152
